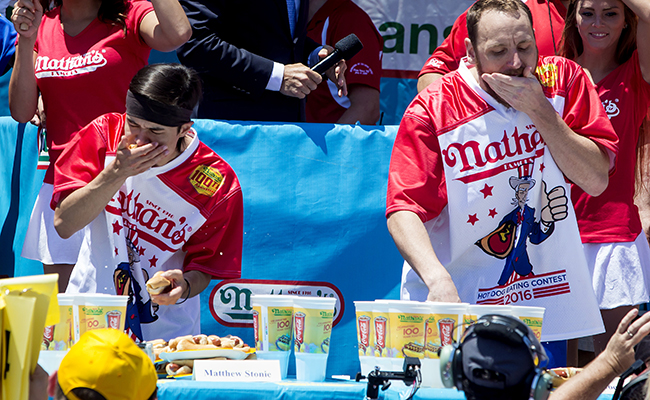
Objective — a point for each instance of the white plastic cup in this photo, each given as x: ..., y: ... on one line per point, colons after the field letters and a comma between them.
x: 381, y: 345
x: 408, y: 320
x: 475, y: 311
x: 98, y: 311
x: 365, y: 335
x: 60, y: 336
x: 312, y: 323
x: 272, y: 321
x: 443, y: 328
x: 532, y: 317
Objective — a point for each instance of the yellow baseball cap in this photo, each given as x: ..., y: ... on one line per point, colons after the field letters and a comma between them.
x: 107, y: 361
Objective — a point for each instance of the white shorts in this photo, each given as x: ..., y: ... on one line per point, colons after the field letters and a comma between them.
x: 42, y: 242
x: 620, y: 272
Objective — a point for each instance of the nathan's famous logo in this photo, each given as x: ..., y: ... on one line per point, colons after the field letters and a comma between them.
x: 230, y: 300
x: 473, y: 154
x: 150, y: 216
x: 547, y: 74
x: 93, y: 310
x: 69, y: 66
x: 206, y: 180
x: 410, y: 318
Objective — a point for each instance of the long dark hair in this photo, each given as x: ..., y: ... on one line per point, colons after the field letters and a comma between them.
x: 110, y: 11
x: 571, y: 46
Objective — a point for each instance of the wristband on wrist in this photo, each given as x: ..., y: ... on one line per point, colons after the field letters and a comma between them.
x: 189, y: 289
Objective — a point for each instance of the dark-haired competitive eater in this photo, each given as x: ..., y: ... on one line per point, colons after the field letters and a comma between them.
x: 150, y: 197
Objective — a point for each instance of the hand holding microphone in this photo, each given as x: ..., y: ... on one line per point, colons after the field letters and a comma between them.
x: 344, y: 49
x: 300, y: 80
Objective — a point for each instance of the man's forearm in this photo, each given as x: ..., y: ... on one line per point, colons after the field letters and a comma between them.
x: 412, y: 240
x: 588, y: 384
x: 83, y: 205
x: 198, y: 281
x: 579, y: 158
x: 364, y: 106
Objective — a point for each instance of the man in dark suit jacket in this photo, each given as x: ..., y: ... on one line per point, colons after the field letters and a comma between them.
x: 252, y: 67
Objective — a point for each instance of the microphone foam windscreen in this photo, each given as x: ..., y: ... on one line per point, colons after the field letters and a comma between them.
x: 349, y: 46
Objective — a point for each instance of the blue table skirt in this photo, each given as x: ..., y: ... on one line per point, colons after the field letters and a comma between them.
x: 291, y: 390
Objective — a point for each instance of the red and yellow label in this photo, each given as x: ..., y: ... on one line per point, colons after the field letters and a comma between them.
x: 547, y: 74
x: 206, y: 180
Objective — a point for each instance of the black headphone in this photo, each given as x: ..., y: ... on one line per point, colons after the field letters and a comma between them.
x: 507, y: 330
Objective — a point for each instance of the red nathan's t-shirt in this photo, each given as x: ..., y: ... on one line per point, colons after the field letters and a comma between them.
x: 446, y: 57
x: 212, y: 219
x: 612, y: 216
x: 84, y: 76
x: 416, y: 178
x: 335, y: 20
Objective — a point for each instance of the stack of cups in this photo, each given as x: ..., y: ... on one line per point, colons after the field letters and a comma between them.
x: 98, y: 311
x: 366, y: 335
x: 57, y: 339
x: 531, y: 316
x: 272, y: 321
x: 389, y: 330
x: 280, y: 320
x: 381, y: 323
x: 60, y: 336
x: 312, y: 323
x: 444, y: 327
x: 406, y: 332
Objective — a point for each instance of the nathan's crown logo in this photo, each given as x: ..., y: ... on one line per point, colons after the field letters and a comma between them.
x: 206, y: 180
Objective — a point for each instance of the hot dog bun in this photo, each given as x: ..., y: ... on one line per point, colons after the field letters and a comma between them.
x: 158, y: 284
x: 561, y: 375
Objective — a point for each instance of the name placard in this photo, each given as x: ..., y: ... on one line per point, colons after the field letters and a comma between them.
x: 237, y: 370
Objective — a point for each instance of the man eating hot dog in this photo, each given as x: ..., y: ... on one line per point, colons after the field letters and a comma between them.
x: 152, y: 199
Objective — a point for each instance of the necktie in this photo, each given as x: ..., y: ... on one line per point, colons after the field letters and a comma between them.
x: 291, y: 9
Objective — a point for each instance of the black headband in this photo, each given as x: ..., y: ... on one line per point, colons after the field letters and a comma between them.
x: 154, y: 111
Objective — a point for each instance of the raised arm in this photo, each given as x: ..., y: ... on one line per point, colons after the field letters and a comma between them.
x: 412, y: 240
x: 83, y: 205
x: 642, y: 9
x: 580, y: 159
x: 617, y: 357
x: 167, y: 27
x: 23, y: 91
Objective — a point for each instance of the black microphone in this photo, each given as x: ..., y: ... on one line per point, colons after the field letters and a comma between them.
x: 344, y: 49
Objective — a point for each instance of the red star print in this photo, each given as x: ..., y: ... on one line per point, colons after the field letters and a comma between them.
x: 472, y: 219
x: 493, y: 212
x: 541, y: 167
x: 141, y: 250
x: 116, y: 251
x: 117, y: 227
x: 152, y: 261
x: 487, y: 191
